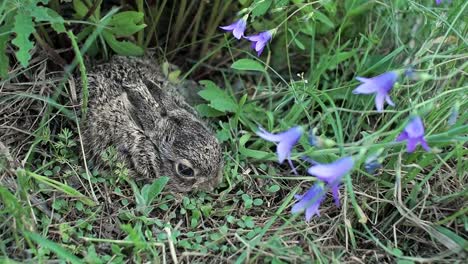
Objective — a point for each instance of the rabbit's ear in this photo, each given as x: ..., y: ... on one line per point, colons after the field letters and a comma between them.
x: 159, y: 95
x: 168, y: 96
x: 147, y: 110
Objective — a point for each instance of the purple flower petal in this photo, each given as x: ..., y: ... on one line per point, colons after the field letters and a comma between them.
x: 415, y: 128
x: 335, y: 189
x: 379, y: 101
x: 237, y: 28
x: 365, y: 88
x: 362, y: 79
x: 332, y: 172
x: 403, y: 136
x: 268, y: 136
x: 413, y: 133
x: 380, y: 85
x: 229, y: 27
x: 238, y: 32
x: 286, y: 140
x: 310, y: 201
x: 411, y: 144
x: 389, y: 100
x: 254, y: 38
x: 259, y: 41
x: 424, y: 145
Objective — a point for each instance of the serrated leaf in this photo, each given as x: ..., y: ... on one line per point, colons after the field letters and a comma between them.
x: 218, y: 99
x: 125, y: 48
x: 248, y: 65
x: 126, y: 23
x: 23, y: 27
x: 41, y: 13
x: 4, y: 60
x: 261, y: 7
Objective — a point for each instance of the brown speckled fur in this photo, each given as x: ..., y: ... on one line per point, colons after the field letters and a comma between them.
x: 134, y: 108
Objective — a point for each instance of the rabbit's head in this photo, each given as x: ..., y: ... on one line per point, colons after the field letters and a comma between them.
x: 185, y: 149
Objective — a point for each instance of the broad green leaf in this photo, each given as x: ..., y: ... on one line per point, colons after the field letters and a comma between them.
x: 261, y: 7
x: 248, y: 65
x: 208, y: 111
x: 151, y: 191
x: 323, y: 18
x: 52, y: 246
x: 296, y: 40
x: 23, y: 27
x: 281, y: 3
x: 338, y: 58
x: 80, y: 8
x: 124, y: 47
x: 273, y: 188
x: 126, y: 23
x: 218, y: 99
x: 250, y: 152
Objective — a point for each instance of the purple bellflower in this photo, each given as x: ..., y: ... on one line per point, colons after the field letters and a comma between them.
x: 286, y: 140
x: 260, y: 40
x: 332, y: 173
x: 237, y: 27
x: 438, y: 2
x: 380, y: 85
x: 414, y: 135
x: 310, y: 201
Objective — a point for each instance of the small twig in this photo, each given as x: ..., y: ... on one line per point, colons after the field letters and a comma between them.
x: 171, y: 245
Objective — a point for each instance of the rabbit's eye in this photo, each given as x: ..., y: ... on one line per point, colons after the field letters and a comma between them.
x: 184, y: 170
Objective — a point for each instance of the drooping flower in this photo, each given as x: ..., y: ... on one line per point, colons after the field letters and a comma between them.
x: 285, y: 140
x: 332, y: 173
x: 414, y: 135
x: 310, y: 201
x: 438, y: 2
x: 380, y: 85
x: 237, y: 27
x: 260, y: 40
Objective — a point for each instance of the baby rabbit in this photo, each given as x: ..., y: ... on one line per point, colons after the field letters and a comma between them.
x: 156, y: 133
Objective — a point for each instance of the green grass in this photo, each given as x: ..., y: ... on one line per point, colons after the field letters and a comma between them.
x: 413, y: 209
